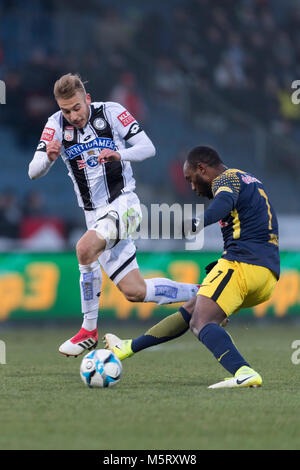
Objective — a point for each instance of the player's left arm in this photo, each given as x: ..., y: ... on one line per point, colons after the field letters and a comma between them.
x: 141, y: 146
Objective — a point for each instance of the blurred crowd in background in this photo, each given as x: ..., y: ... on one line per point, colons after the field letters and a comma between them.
x: 206, y: 72
x: 247, y: 51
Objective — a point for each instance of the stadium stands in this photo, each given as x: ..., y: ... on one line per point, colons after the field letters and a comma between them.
x: 217, y: 74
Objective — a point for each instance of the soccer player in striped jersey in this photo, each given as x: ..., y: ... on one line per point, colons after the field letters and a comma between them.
x: 91, y: 138
x: 243, y: 277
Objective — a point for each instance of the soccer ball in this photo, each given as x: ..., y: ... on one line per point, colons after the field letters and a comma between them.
x: 100, y: 368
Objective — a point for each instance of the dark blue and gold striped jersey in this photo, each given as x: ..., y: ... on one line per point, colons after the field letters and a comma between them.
x: 250, y: 228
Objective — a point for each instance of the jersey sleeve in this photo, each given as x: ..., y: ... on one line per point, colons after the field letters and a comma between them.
x: 130, y: 131
x: 40, y: 164
x: 218, y: 209
x: 226, y: 190
x: 227, y: 183
x: 122, y: 121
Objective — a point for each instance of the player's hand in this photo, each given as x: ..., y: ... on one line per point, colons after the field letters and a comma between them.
x: 53, y: 150
x: 107, y: 155
x: 191, y: 227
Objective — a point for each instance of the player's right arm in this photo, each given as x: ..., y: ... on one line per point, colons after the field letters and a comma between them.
x: 47, y: 152
x: 226, y: 189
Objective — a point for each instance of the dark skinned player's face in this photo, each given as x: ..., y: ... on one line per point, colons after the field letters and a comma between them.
x: 199, y: 180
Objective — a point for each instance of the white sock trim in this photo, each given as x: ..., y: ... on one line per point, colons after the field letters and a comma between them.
x: 87, y: 268
x: 90, y: 321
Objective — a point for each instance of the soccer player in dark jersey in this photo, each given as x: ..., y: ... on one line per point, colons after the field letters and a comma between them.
x: 244, y: 276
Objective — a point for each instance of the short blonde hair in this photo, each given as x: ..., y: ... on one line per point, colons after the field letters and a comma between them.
x: 67, y: 85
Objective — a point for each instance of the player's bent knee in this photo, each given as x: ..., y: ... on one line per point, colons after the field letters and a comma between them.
x: 89, y: 247
x: 84, y: 253
x: 80, y: 251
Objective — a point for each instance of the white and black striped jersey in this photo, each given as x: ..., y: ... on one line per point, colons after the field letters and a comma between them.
x: 109, y: 125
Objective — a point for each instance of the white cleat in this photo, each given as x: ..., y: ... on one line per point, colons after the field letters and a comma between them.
x: 121, y: 347
x: 111, y: 341
x: 244, y: 377
x: 84, y: 340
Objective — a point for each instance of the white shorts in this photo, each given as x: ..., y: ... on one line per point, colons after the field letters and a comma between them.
x: 121, y: 258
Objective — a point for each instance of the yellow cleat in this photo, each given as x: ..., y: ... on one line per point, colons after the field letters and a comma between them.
x: 244, y: 377
x: 121, y: 347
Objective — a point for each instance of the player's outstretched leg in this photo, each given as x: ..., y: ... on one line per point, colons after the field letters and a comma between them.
x: 205, y: 324
x: 158, y: 290
x: 167, y: 329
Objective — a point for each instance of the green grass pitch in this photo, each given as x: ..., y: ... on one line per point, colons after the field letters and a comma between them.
x: 161, y: 402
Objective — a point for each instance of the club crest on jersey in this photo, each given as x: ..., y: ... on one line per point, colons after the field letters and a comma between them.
x: 99, y: 124
x: 92, y: 161
x: 69, y: 133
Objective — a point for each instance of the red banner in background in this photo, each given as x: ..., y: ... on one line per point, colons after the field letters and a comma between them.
x: 42, y: 233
